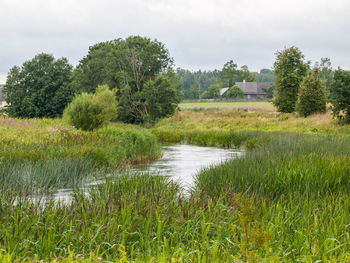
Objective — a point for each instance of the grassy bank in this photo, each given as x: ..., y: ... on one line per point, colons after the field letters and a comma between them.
x: 45, y: 154
x: 286, y: 200
x: 143, y: 219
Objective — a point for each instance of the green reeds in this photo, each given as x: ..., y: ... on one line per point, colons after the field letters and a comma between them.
x: 145, y: 219
x: 41, y: 154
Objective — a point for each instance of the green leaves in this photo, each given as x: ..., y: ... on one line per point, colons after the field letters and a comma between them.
x: 90, y: 111
x: 127, y: 64
x: 312, y: 94
x: 289, y: 70
x: 40, y: 88
x: 340, y: 95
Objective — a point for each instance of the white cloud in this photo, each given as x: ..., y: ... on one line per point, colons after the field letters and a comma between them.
x: 199, y: 34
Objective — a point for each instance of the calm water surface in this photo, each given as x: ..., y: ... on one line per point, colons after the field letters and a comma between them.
x: 183, y: 162
x: 180, y: 162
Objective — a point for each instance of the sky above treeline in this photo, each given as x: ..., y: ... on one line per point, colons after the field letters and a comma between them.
x: 200, y: 34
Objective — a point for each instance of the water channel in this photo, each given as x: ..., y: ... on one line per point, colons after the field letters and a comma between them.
x: 180, y: 162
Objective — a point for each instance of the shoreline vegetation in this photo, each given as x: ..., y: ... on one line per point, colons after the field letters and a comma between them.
x: 286, y: 200
x: 46, y: 154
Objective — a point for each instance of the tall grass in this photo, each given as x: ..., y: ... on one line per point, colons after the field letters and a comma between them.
x: 288, y: 163
x: 145, y: 219
x: 44, y: 154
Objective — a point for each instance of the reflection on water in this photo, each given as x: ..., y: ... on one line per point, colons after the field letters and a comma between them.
x: 180, y: 162
x: 183, y: 162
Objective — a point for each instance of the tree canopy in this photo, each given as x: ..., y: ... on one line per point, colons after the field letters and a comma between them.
x: 312, y: 94
x: 235, y: 92
x: 39, y: 88
x: 340, y: 94
x: 127, y: 64
x: 290, y: 69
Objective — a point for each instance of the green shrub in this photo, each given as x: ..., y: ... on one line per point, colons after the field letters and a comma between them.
x: 312, y: 94
x: 90, y: 111
x: 235, y: 92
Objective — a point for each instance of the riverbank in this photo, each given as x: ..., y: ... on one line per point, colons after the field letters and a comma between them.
x: 286, y: 200
x: 44, y: 154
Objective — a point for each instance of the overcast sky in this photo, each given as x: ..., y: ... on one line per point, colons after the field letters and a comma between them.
x: 200, y: 34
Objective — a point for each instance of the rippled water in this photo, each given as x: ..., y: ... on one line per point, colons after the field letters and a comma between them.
x: 180, y: 162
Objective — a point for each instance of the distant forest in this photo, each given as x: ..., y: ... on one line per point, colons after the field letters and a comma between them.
x: 195, y: 83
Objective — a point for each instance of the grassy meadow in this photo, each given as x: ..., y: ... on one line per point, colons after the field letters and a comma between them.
x: 287, y: 199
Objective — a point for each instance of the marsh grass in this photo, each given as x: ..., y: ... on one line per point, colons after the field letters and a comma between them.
x: 145, y: 219
x: 286, y: 200
x: 44, y: 154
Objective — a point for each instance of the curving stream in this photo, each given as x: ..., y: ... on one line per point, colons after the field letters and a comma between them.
x: 180, y: 162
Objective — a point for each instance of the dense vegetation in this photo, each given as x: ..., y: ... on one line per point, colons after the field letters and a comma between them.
x: 89, y: 111
x: 286, y: 199
x: 290, y: 69
x: 340, y: 94
x: 43, y: 154
x: 205, y: 84
x: 312, y: 94
x: 137, y: 66
x: 40, y: 88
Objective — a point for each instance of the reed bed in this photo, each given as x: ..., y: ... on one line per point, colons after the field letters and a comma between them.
x: 145, y: 219
x: 286, y: 200
x: 44, y: 154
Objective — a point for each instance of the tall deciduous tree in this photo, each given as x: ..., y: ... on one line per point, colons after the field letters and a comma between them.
x: 312, y: 94
x: 127, y: 64
x: 40, y: 88
x: 290, y: 69
x: 340, y: 94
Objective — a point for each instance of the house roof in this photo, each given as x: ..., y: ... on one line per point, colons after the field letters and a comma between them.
x: 249, y: 88
x: 253, y: 88
x: 223, y: 91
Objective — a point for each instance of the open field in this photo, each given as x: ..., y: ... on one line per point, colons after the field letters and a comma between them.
x: 228, y: 104
x: 222, y: 120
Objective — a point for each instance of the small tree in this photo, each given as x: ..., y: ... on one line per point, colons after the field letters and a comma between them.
x: 40, y: 88
x: 312, y: 94
x: 90, y: 111
x: 340, y: 95
x: 289, y: 69
x: 235, y: 92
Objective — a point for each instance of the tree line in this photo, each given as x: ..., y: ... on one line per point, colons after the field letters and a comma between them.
x: 206, y: 84
x: 306, y: 89
x: 137, y: 69
x: 137, y: 74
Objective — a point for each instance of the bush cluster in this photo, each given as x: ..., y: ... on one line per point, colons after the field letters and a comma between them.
x: 90, y: 111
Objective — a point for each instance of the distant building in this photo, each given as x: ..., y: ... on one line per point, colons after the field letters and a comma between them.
x: 252, y: 91
x: 2, y: 98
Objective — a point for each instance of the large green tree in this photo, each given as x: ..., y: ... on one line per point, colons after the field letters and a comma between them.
x: 340, y: 95
x: 290, y: 69
x: 127, y: 64
x: 312, y: 94
x: 39, y: 88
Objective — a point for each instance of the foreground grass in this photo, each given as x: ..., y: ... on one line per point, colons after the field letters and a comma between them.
x: 286, y: 200
x: 43, y: 154
x: 145, y: 219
